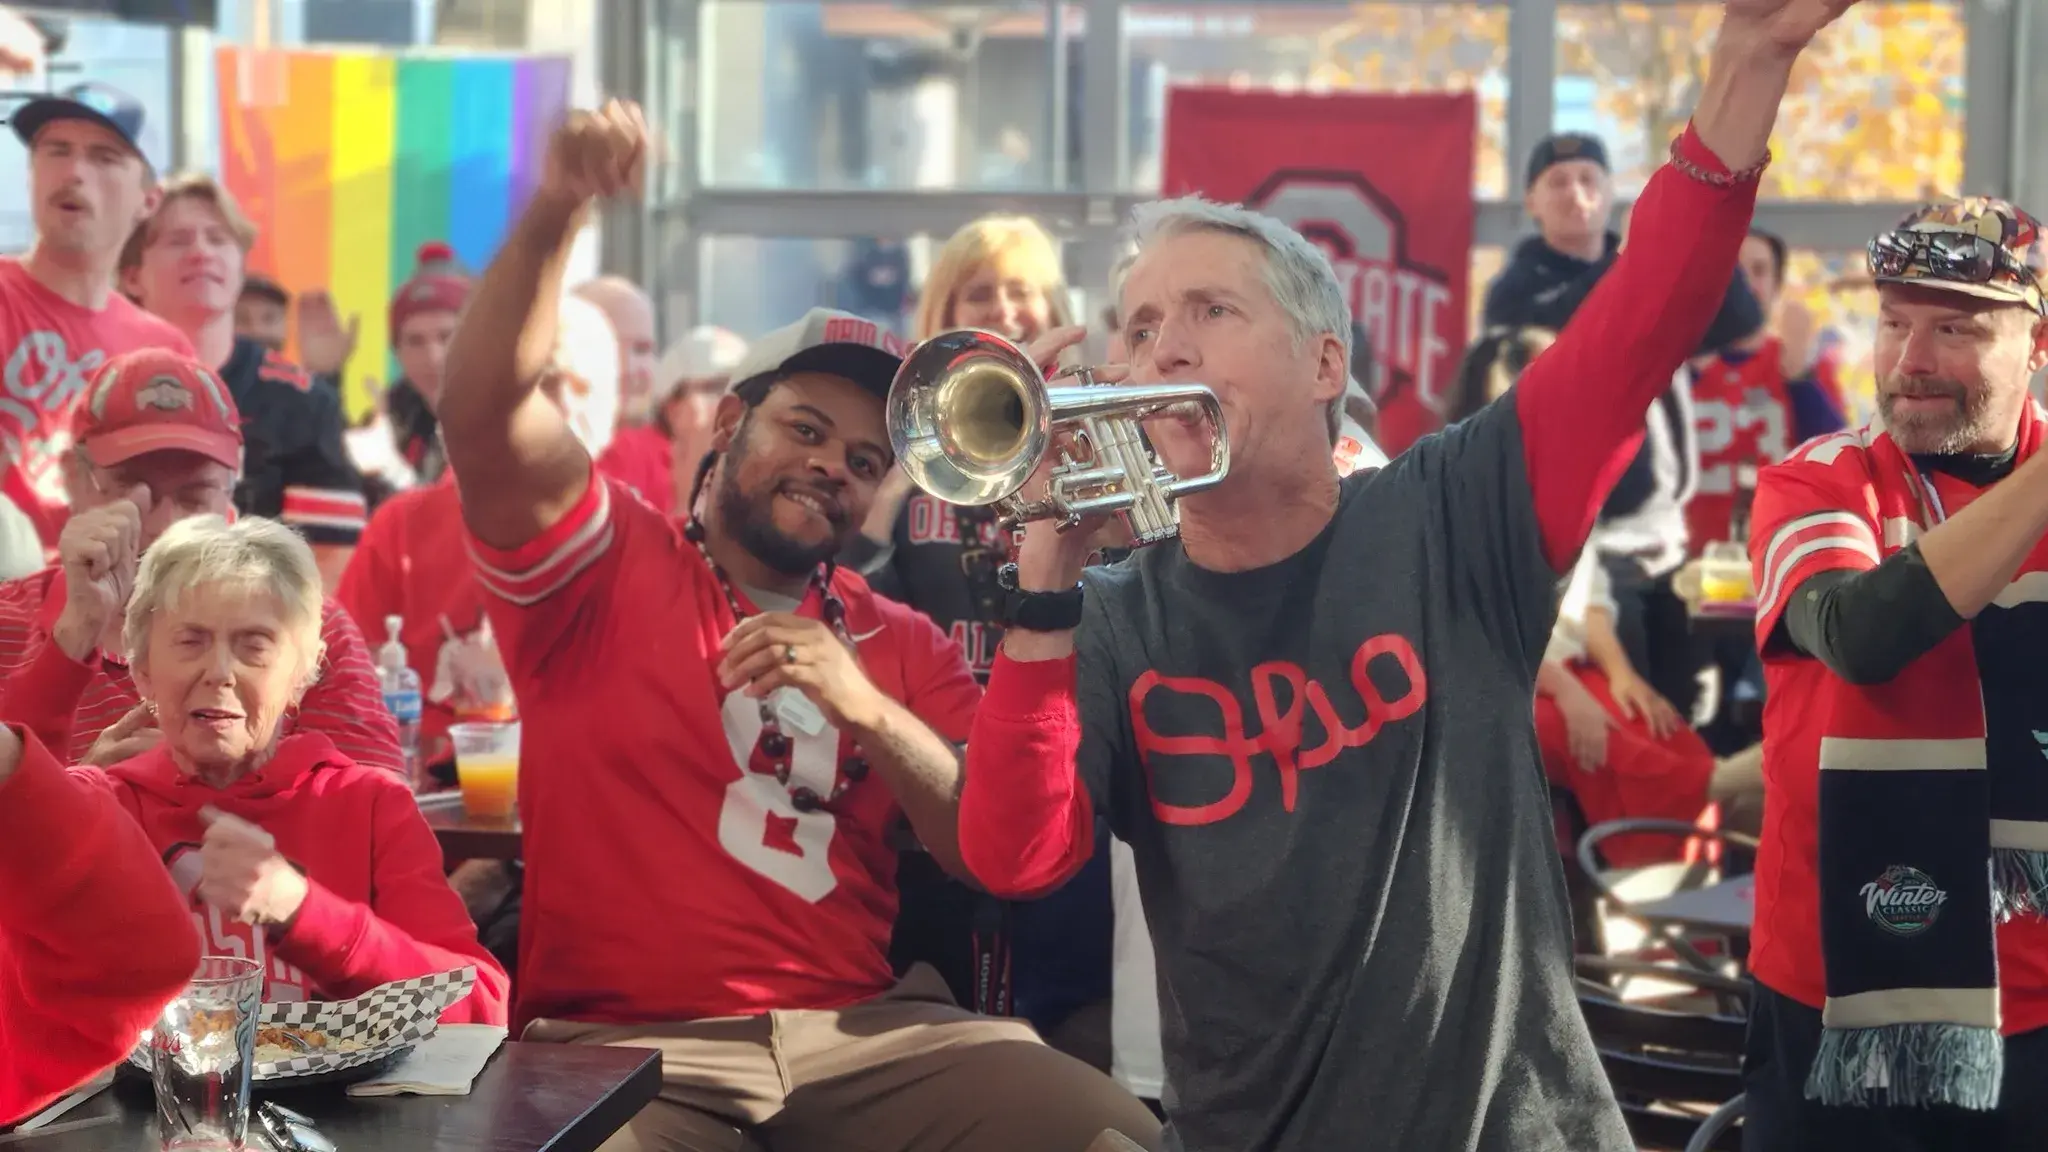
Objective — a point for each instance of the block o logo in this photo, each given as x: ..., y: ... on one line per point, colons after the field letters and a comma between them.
x: 1404, y: 308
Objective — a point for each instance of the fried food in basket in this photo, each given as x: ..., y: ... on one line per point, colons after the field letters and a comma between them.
x: 277, y: 1042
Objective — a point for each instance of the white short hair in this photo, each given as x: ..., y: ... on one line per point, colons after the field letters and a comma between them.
x: 255, y: 553
x: 1298, y: 273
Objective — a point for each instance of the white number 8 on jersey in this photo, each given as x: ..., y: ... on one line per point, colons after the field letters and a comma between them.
x: 758, y: 824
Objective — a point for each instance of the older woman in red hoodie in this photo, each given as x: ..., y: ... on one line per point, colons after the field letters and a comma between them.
x: 288, y: 852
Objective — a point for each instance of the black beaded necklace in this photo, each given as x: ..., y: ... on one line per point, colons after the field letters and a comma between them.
x: 775, y: 743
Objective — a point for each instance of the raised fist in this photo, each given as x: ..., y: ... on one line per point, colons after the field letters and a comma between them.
x: 598, y: 155
x: 1785, y: 26
x: 99, y: 550
x: 242, y: 874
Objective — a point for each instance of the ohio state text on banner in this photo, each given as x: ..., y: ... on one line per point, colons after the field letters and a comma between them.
x: 1383, y: 183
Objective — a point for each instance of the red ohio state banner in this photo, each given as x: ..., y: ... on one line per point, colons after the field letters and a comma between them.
x: 1383, y: 183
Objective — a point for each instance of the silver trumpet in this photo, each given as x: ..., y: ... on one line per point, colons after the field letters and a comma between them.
x: 971, y: 419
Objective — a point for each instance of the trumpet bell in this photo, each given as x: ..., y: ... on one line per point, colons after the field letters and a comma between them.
x: 968, y: 417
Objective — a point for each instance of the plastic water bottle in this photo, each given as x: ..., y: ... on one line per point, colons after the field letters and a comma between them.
x: 401, y: 686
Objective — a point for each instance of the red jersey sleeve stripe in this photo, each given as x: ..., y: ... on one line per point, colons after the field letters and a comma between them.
x: 536, y: 570
x: 327, y: 507
x: 1844, y: 536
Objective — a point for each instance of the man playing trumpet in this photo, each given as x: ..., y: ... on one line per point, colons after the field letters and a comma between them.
x: 1310, y: 716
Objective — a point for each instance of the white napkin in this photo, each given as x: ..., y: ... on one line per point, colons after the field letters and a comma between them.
x: 444, y: 1064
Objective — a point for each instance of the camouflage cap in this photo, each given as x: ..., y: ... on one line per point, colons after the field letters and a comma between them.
x: 1977, y: 245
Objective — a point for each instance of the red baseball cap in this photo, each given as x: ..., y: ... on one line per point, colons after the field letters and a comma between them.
x: 155, y: 400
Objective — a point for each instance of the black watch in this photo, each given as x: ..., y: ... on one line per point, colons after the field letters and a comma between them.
x: 1037, y: 611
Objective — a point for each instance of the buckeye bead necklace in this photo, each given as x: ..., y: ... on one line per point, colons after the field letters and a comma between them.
x: 775, y: 743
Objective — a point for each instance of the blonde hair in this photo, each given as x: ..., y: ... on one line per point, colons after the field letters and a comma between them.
x: 1015, y: 243
x: 254, y: 553
x: 188, y: 186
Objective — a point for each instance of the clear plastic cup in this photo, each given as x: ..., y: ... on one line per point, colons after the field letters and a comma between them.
x: 202, y: 1056
x: 1725, y: 574
x: 487, y: 768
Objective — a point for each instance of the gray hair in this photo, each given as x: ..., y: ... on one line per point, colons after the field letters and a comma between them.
x: 1298, y: 273
x: 254, y: 553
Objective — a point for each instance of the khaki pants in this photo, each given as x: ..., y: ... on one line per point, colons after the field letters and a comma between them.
x: 908, y: 1071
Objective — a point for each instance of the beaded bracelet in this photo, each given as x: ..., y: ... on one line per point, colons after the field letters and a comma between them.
x: 1717, y: 179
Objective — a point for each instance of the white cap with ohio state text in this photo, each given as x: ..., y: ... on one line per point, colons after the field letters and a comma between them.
x: 825, y: 340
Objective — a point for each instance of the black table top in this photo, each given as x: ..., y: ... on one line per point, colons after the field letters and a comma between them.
x: 529, y: 1098
x: 466, y: 837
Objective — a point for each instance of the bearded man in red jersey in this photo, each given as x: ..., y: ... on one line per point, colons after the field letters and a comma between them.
x: 721, y: 729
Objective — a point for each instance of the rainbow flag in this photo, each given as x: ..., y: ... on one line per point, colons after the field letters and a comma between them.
x: 348, y: 162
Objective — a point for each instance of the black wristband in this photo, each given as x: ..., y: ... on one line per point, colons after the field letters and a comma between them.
x: 1038, y: 611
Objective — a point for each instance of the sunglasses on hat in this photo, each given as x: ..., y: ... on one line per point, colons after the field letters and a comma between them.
x: 1957, y: 256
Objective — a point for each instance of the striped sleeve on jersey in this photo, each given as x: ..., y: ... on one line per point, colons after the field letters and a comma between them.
x: 336, y: 508
x: 347, y: 703
x: 532, y: 572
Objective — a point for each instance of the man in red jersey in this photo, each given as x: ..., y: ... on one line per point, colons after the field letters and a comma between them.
x: 721, y: 728
x: 1309, y: 716
x: 1900, y: 615
x: 60, y: 315
x: 149, y: 450
x: 1753, y: 402
x: 94, y: 938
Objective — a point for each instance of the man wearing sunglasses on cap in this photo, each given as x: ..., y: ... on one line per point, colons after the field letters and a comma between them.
x: 1899, y: 949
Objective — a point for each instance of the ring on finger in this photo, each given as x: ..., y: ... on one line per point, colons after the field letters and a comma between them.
x: 789, y: 653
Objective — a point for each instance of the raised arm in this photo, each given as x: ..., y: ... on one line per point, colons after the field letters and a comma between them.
x: 519, y: 467
x: 1583, y: 402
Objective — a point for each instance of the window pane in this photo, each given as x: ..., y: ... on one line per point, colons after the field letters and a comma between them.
x: 883, y: 95
x: 1875, y: 109
x: 1836, y: 287
x: 136, y: 58
x: 1319, y: 48
x: 752, y: 284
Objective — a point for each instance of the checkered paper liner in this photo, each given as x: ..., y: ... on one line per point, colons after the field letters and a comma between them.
x: 386, y: 1019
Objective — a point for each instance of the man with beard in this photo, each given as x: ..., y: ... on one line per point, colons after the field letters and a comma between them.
x: 1901, y: 617
x: 60, y: 314
x: 720, y: 729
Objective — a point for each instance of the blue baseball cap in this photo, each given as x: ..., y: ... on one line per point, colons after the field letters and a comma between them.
x: 107, y: 106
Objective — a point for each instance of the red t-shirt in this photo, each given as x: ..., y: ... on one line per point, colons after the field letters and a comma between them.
x: 69, y: 704
x: 1744, y: 416
x: 52, y: 347
x: 378, y: 907
x: 641, y: 458
x: 410, y: 563
x: 1813, y: 515
x: 665, y: 881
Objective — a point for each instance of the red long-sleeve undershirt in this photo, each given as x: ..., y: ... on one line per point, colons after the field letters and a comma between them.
x: 1026, y: 822
x: 94, y: 937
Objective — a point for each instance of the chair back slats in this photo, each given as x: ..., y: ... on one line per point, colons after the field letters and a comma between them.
x: 1634, y: 1028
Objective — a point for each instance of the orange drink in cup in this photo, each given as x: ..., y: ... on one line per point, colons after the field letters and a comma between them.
x: 487, y: 768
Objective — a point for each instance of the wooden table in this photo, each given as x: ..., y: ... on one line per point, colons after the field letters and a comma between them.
x: 529, y: 1098
x: 1728, y: 907
x: 466, y: 837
